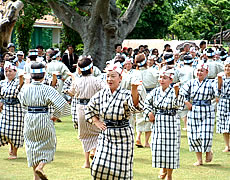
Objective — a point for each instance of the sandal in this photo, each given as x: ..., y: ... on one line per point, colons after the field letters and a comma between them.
x: 162, y: 175
x: 41, y: 174
x: 209, y: 159
x: 138, y: 144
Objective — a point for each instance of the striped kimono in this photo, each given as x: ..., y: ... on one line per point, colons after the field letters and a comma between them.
x: 39, y: 131
x: 202, y: 117
x: 223, y: 108
x: 66, y: 86
x: 84, y: 88
x: 165, y: 142
x: 114, y: 152
x: 11, y: 117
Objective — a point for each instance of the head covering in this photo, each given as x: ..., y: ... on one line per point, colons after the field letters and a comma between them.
x: 10, y: 66
x: 88, y: 66
x: 210, y: 52
x: 128, y: 60
x: 223, y: 55
x: 152, y: 57
x: 168, y: 57
x: 10, y: 45
x: 169, y: 73
x: 192, y: 49
x: 20, y: 53
x: 115, y: 67
x: 58, y: 54
x: 202, y: 65
x: 188, y: 59
x: 37, y: 68
x: 33, y: 52
x: 227, y: 61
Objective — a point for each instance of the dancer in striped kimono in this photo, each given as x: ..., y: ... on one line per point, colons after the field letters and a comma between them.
x: 39, y: 131
x: 109, y: 110
x: 161, y: 106
x: 65, y: 89
x: 149, y: 78
x: 201, y: 115
x: 223, y: 107
x: 83, y: 89
x: 11, y: 117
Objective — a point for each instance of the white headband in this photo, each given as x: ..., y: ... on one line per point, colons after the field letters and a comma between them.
x: 36, y: 71
x: 87, y: 67
x: 56, y: 55
x: 169, y: 59
x: 224, y: 56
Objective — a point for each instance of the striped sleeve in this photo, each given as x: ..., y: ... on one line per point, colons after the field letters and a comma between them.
x: 58, y: 102
x: 148, y: 104
x: 139, y: 107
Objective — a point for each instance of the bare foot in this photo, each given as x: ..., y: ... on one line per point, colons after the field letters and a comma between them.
x: 198, y: 163
x: 86, y: 165
x: 12, y: 157
x: 147, y: 145
x: 209, y: 157
x: 226, y: 149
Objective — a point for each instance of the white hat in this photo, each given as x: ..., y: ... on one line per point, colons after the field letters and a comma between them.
x: 20, y: 53
x: 10, y: 45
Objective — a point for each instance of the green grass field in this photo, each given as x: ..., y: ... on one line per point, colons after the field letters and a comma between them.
x: 69, y: 159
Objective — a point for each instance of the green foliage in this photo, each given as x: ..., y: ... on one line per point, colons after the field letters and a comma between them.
x: 24, y: 25
x: 201, y: 20
x: 69, y: 36
x: 153, y: 22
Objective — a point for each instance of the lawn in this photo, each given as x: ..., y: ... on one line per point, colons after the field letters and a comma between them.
x: 69, y: 159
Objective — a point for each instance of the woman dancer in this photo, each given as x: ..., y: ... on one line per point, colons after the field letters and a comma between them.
x: 109, y: 110
x: 161, y: 107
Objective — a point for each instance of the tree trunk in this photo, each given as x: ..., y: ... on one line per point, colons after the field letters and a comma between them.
x: 103, y: 27
x: 8, y: 18
x: 221, y: 34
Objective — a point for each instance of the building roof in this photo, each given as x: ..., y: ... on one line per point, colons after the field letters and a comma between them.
x: 48, y: 21
x: 226, y: 35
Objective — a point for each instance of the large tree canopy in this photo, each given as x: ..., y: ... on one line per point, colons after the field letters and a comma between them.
x: 201, y: 19
x: 99, y: 23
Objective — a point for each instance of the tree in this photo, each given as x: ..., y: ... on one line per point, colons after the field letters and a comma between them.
x: 220, y: 9
x: 153, y: 22
x: 101, y: 26
x: 8, y: 18
x: 24, y: 26
x: 201, y: 19
x: 193, y: 23
x: 71, y: 37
